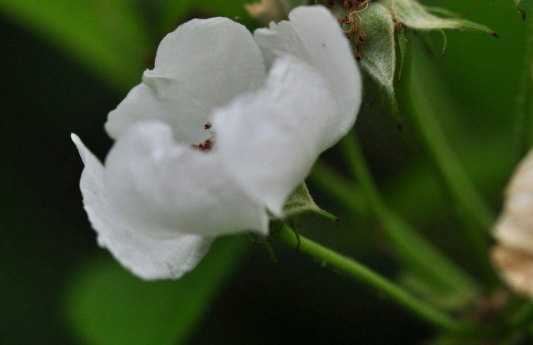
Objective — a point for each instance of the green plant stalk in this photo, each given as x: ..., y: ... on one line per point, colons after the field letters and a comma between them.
x: 374, y: 280
x: 471, y: 207
x: 524, y: 119
x: 421, y: 256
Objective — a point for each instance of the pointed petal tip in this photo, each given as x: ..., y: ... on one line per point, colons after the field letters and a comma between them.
x: 75, y: 138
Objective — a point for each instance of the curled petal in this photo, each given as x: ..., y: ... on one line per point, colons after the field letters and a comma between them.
x: 200, y: 66
x: 313, y: 35
x: 170, y: 188
x: 271, y: 138
x: 144, y: 256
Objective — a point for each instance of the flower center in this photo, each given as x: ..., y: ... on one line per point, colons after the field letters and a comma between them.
x: 208, y: 144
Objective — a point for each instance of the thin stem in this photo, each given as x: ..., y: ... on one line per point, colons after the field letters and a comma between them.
x: 373, y: 279
x: 422, y: 257
x: 471, y: 207
x: 524, y: 123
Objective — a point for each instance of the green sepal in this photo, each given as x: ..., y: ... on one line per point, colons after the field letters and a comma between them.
x: 444, y: 12
x: 413, y: 15
x: 379, y: 54
x: 264, y: 242
x: 301, y: 202
x: 445, y: 42
x: 402, y: 43
x: 270, y: 251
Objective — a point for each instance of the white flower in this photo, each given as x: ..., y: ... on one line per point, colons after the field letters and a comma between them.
x: 513, y: 253
x: 163, y: 195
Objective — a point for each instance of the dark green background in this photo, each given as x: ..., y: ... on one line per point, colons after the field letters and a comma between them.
x: 46, y: 240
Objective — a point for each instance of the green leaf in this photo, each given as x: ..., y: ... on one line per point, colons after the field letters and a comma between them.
x: 107, y: 305
x: 301, y: 201
x: 413, y: 15
x: 107, y: 36
x: 379, y: 54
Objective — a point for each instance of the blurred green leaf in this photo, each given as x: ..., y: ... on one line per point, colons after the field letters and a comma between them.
x: 108, y: 36
x: 446, y: 300
x: 108, y: 305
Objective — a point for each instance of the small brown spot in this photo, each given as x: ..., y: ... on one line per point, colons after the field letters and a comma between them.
x: 208, y: 125
x: 398, y: 26
x: 206, y: 146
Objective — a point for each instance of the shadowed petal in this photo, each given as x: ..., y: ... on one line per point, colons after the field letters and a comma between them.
x: 168, y: 187
x: 313, y: 35
x: 144, y: 256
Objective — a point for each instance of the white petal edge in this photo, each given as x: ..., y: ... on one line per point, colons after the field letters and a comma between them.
x: 271, y: 138
x: 202, y: 65
x: 313, y: 34
x: 170, y: 188
x: 146, y: 257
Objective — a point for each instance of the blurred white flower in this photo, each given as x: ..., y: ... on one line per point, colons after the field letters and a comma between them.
x: 266, y: 11
x: 213, y: 137
x: 513, y: 254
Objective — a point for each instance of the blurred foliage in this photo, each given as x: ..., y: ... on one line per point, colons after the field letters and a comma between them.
x: 107, y: 36
x: 48, y: 249
x: 108, y: 305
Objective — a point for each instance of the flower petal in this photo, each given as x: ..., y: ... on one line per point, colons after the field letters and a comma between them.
x: 271, y: 138
x: 170, y: 188
x: 144, y: 256
x: 200, y: 66
x: 313, y: 35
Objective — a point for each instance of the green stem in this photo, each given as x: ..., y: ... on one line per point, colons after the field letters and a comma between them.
x: 373, y: 279
x: 422, y: 257
x: 524, y: 124
x: 471, y: 207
